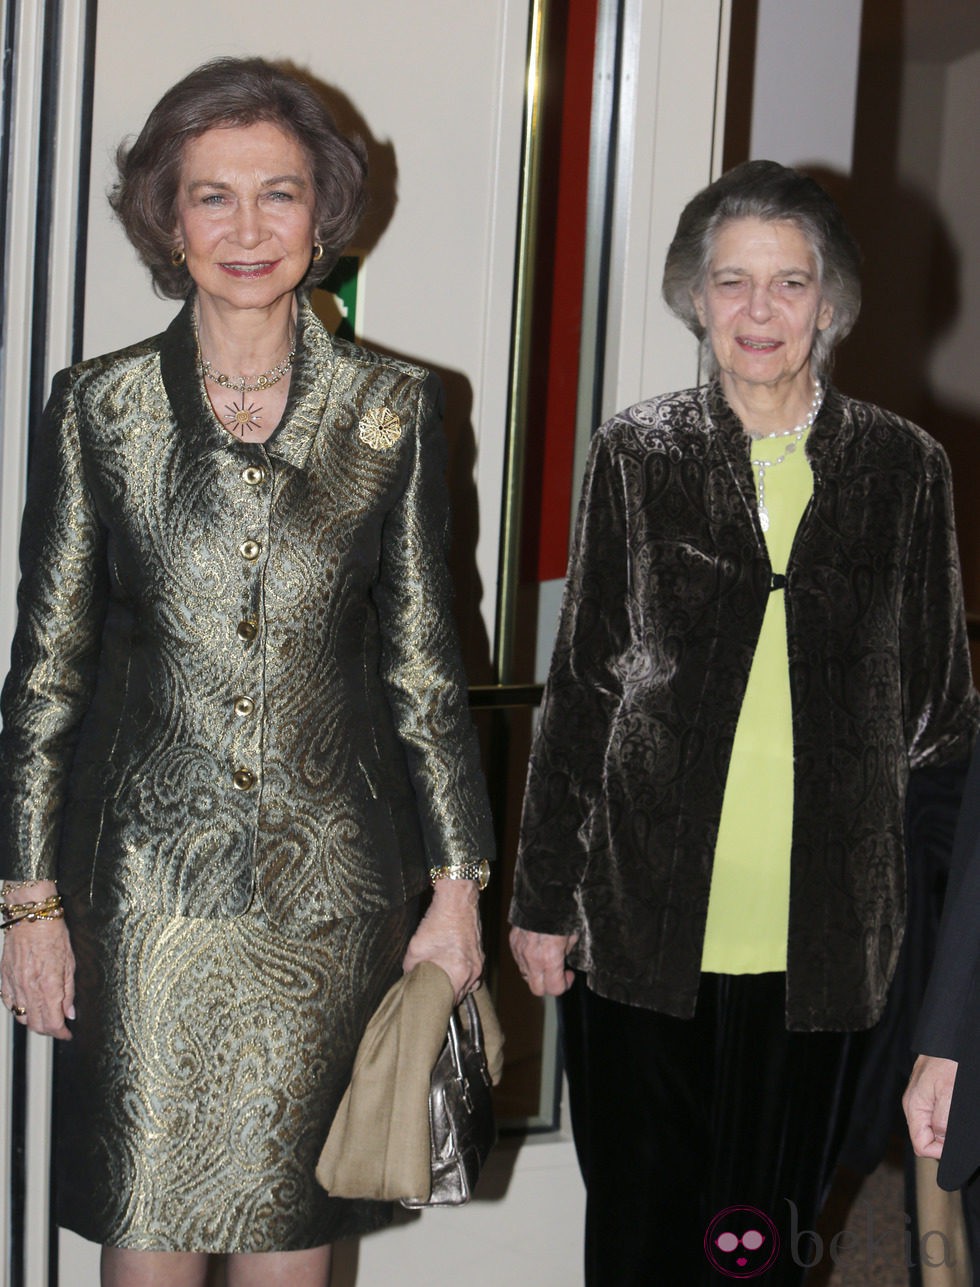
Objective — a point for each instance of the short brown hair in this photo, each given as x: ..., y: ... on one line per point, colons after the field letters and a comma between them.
x: 230, y: 92
x: 775, y: 193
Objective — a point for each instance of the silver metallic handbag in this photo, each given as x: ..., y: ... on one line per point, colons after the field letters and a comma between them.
x: 462, y: 1129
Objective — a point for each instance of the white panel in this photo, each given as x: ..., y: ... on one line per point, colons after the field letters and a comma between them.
x: 805, y: 85
x: 18, y: 289
x: 672, y: 59
x: 443, y: 83
x: 68, y: 142
x: 549, y: 612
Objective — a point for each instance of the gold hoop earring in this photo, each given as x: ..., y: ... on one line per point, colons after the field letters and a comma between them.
x: 317, y: 252
x: 177, y: 257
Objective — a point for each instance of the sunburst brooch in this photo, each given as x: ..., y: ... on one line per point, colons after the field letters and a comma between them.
x: 379, y: 428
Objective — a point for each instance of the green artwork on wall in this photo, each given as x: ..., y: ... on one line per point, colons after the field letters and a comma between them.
x: 335, y: 298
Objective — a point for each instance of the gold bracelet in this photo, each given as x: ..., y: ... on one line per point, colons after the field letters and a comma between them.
x: 11, y: 886
x: 48, y: 909
x: 56, y: 914
x: 478, y: 871
x: 44, y: 905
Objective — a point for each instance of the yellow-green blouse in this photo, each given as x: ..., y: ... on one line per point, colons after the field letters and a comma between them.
x: 748, y: 911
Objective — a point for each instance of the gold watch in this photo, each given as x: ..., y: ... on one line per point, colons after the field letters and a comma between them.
x: 478, y: 871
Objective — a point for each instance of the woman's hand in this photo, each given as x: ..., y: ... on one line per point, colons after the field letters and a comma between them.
x: 541, y: 960
x: 449, y: 935
x: 37, y: 970
x: 926, y: 1102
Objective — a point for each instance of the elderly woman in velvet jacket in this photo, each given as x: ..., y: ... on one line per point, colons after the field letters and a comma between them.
x: 762, y: 633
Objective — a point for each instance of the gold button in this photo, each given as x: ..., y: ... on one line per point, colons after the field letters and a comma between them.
x: 253, y: 475
x: 247, y: 630
x: 244, y: 706
x: 250, y: 550
x: 244, y: 779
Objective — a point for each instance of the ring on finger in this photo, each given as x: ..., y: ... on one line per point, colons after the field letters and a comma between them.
x: 18, y: 1010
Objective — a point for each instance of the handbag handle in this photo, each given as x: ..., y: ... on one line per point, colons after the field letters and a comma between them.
x: 474, y: 1027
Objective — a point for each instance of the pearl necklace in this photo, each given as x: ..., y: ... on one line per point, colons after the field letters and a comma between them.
x: 796, y: 434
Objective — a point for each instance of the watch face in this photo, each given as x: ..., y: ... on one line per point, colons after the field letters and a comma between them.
x: 484, y: 877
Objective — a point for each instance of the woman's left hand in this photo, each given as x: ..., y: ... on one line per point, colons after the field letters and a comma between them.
x: 449, y: 935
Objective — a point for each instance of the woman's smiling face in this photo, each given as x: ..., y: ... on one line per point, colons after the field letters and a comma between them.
x: 762, y: 304
x: 245, y: 214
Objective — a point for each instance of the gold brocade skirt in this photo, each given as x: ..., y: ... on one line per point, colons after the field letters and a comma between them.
x: 208, y: 1060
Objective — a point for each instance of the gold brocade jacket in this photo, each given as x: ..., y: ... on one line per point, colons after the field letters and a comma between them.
x: 235, y: 675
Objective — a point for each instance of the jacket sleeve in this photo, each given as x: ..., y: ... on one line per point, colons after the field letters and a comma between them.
x: 584, y: 687
x: 61, y: 605
x: 421, y: 667
x: 942, y: 708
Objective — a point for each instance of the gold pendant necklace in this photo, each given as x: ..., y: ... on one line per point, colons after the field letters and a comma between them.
x: 241, y: 417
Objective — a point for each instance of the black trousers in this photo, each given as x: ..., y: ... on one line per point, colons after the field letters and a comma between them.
x: 704, y: 1141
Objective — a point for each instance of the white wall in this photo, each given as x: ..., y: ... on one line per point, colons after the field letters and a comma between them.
x: 670, y: 125
x: 806, y: 81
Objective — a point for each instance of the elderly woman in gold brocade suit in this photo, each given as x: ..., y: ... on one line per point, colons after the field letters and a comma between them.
x: 236, y: 747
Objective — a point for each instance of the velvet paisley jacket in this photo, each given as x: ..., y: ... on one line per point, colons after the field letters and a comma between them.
x: 235, y: 674
x: 666, y: 592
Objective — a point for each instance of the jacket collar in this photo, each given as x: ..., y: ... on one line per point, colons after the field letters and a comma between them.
x: 309, y: 388
x: 831, y: 429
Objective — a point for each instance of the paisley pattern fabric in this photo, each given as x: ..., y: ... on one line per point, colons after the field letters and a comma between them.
x: 666, y: 591
x: 236, y: 731
x: 247, y: 650
x: 208, y: 1059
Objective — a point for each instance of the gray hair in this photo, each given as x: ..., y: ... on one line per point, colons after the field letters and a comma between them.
x: 772, y: 192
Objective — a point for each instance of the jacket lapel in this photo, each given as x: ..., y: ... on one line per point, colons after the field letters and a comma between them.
x: 309, y: 390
